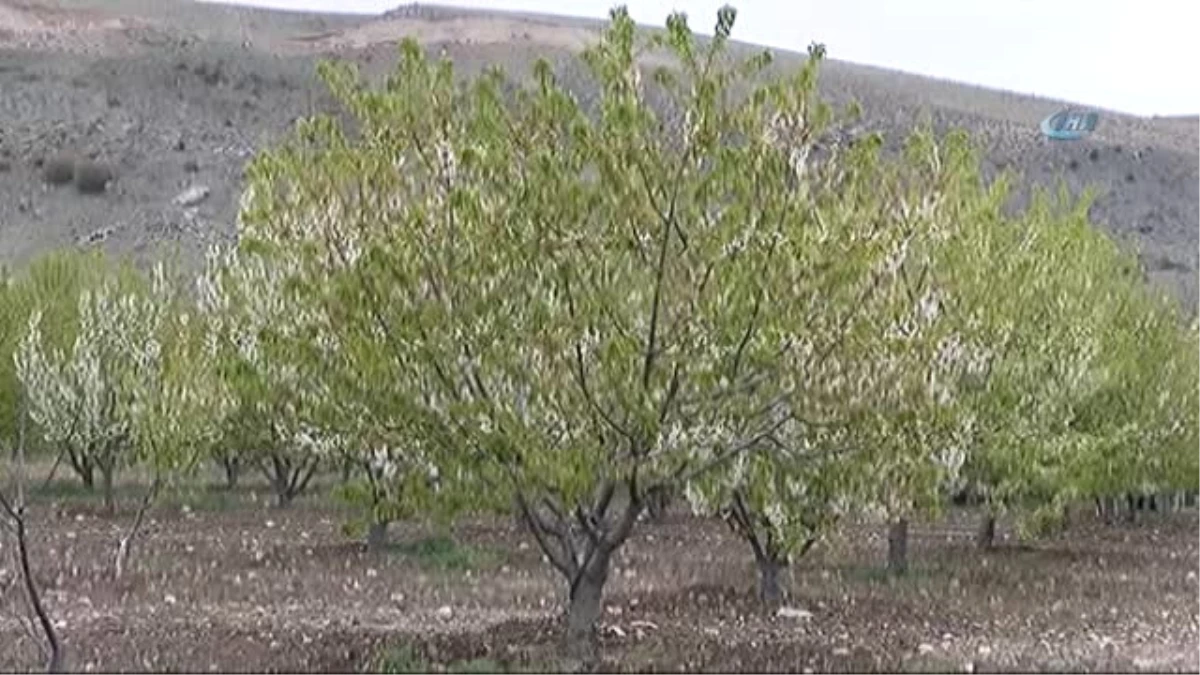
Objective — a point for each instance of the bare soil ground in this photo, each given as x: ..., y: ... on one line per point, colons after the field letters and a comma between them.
x: 220, y: 582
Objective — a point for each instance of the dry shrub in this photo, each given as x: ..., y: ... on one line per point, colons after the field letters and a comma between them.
x: 92, y: 177
x: 59, y: 169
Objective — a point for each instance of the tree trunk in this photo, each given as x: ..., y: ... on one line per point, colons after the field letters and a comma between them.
x: 770, y: 587
x: 897, y: 555
x: 656, y: 505
x: 106, y: 478
x: 377, y: 536
x: 583, y: 613
x: 233, y: 472
x: 1130, y: 508
x: 985, y: 536
x: 82, y: 468
x: 279, y: 473
x: 580, y: 547
x: 283, y: 497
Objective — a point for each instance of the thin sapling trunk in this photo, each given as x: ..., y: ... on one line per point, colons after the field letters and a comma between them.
x: 126, y: 542
x: 897, y: 554
x: 16, y: 513
x: 985, y: 536
x: 15, y: 510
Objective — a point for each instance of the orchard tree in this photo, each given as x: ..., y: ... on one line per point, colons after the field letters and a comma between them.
x: 269, y: 371
x: 84, y: 398
x: 592, y: 305
x: 134, y: 390
x: 303, y: 395
x: 875, y: 347
x: 51, y: 283
x: 1139, y: 425
x: 1069, y: 390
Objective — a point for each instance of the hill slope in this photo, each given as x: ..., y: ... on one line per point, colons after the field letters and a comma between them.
x: 177, y: 95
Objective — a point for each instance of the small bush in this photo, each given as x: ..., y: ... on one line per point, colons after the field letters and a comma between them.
x: 402, y: 659
x: 59, y: 170
x: 444, y: 553
x: 92, y: 177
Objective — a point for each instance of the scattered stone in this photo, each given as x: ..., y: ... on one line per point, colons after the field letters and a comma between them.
x: 794, y: 613
x: 97, y: 236
x: 984, y: 650
x: 841, y: 651
x: 445, y: 613
x: 924, y: 648
x: 192, y: 196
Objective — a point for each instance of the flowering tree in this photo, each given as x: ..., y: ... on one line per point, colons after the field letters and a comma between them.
x: 51, y: 284
x: 86, y: 399
x: 132, y: 391
x: 259, y: 341
x: 1137, y: 428
x: 594, y: 305
x: 1075, y: 358
x: 870, y: 384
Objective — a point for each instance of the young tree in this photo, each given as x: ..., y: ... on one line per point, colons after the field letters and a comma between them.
x: 134, y: 390
x: 51, y: 283
x: 82, y: 399
x: 256, y: 337
x: 14, y: 518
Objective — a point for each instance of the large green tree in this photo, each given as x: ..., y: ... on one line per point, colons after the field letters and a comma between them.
x: 577, y: 307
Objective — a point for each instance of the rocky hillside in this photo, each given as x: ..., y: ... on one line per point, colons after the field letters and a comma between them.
x: 126, y: 123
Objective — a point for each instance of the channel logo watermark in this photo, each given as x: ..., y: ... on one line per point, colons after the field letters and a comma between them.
x: 1070, y: 125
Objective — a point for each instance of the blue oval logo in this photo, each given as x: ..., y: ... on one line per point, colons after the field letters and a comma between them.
x: 1069, y: 125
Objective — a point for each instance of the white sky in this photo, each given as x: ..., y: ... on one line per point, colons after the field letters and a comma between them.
x: 1138, y: 56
